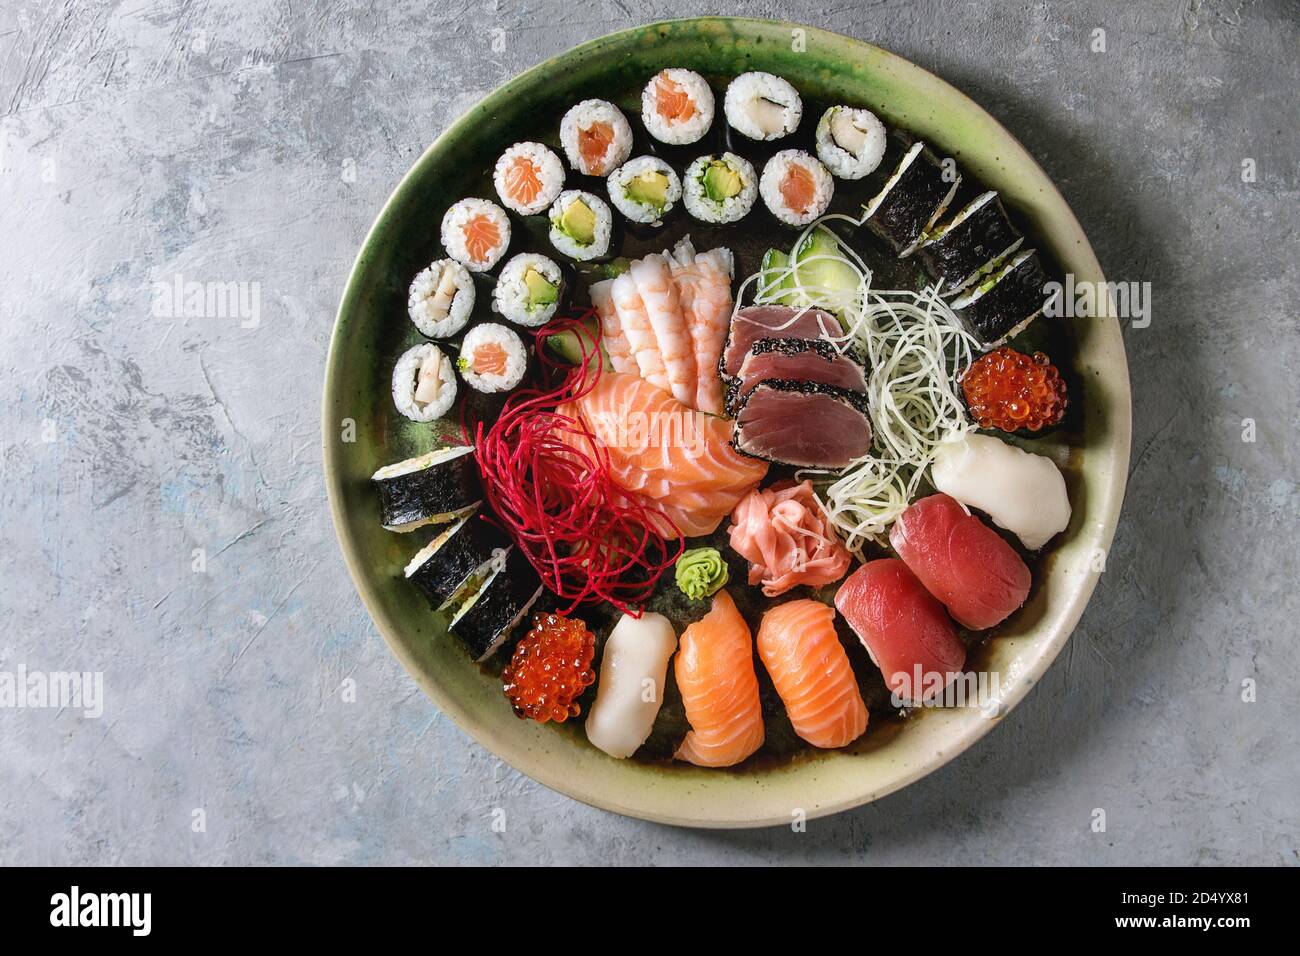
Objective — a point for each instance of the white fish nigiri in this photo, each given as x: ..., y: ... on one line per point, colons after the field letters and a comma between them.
x: 1022, y: 492
x: 633, y: 670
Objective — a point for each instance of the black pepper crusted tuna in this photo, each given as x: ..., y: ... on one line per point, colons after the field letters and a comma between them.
x: 798, y: 360
x: 757, y: 322
x: 775, y: 422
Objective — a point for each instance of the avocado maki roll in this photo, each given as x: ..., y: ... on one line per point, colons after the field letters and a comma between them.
x: 913, y: 199
x: 720, y: 189
x: 446, y: 565
x: 1002, y: 305
x: 509, y: 589
x: 971, y: 242
x: 431, y: 489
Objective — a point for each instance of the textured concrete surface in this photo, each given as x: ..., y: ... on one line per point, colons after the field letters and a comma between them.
x: 253, y: 141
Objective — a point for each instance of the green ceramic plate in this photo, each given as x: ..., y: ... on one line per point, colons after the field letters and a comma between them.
x: 362, y: 432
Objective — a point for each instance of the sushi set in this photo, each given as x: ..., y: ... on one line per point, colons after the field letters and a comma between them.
x: 723, y: 426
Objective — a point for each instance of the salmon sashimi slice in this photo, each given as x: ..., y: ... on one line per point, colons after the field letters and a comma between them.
x: 672, y: 103
x: 801, y: 651
x: 654, y: 283
x: 482, y: 236
x: 611, y: 330
x: 523, y: 183
x: 635, y: 323
x: 593, y: 146
x: 798, y: 188
x: 703, y: 283
x: 677, y: 459
x: 715, y: 674
x: 490, y: 359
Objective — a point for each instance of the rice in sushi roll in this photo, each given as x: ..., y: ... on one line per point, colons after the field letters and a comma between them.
x: 528, y: 292
x: 677, y: 107
x: 424, y: 384
x: 475, y: 232
x: 492, y: 358
x: 528, y: 177
x: 762, y: 106
x: 851, y: 142
x: 596, y: 137
x: 580, y: 225
x: 720, y: 189
x: 441, y: 299
x: 644, y: 189
x: 796, y: 187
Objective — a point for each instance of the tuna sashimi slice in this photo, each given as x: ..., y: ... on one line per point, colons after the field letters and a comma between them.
x: 963, y: 562
x: 803, y: 424
x: 756, y: 322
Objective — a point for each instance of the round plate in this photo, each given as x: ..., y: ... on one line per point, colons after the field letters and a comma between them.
x: 361, y: 431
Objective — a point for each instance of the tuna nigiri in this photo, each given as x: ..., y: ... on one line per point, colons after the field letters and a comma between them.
x: 799, y: 648
x: 904, y: 629
x: 715, y: 674
x: 961, y: 561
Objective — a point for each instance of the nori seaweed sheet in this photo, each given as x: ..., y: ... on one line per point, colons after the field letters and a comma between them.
x: 441, y: 488
x: 445, y: 571
x: 499, y: 603
x: 912, y: 202
x: 855, y: 400
x: 1017, y: 296
x: 969, y: 246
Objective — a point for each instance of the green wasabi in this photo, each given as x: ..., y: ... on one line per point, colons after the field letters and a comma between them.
x: 701, y: 573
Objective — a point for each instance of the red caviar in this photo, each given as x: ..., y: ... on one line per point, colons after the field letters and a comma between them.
x: 1011, y: 391
x: 550, y: 669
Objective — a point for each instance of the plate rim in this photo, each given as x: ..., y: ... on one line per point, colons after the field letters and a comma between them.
x: 1112, y: 491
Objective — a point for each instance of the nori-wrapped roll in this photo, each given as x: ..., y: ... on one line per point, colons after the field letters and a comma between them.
x: 443, y: 568
x: 491, y: 613
x: 430, y: 489
x: 970, y: 243
x: 914, y: 197
x: 1001, y: 306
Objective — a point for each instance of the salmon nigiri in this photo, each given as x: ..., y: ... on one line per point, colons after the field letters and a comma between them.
x: 715, y: 674
x: 811, y: 671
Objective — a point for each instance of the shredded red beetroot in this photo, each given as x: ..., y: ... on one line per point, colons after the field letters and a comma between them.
x: 548, y: 478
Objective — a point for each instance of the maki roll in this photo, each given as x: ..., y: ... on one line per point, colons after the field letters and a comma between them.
x: 677, y: 107
x: 528, y: 292
x: 644, y: 189
x: 441, y: 299
x: 970, y: 242
x: 796, y: 187
x: 447, y: 564
x: 762, y: 106
x: 528, y: 177
x: 720, y: 189
x: 1001, y: 306
x: 431, y: 489
x: 580, y: 225
x: 596, y: 137
x: 492, y: 358
x: 851, y: 142
x: 424, y: 383
x: 915, y: 196
x: 508, y: 591
x: 475, y: 232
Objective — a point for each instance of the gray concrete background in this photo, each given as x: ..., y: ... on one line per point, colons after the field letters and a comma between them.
x: 142, y: 140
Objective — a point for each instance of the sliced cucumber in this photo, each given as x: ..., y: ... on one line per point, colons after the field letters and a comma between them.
x: 567, y: 347
x: 824, y: 274
x: 775, y: 278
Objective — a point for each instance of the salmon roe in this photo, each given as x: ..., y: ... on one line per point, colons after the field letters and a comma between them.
x: 550, y: 669
x: 1010, y: 391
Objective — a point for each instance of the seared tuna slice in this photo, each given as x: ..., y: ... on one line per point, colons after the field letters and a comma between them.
x: 757, y: 322
x: 803, y: 424
x: 797, y: 360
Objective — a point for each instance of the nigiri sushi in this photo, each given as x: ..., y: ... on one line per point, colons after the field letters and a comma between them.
x: 803, y: 655
x: 1022, y: 492
x: 633, y: 668
x: 715, y: 674
x: 963, y: 562
x: 904, y: 629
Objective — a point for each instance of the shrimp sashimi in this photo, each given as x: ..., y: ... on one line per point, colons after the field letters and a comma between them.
x: 612, y: 337
x: 654, y: 281
x: 704, y: 287
x: 635, y: 323
x: 802, y: 653
x: 715, y: 674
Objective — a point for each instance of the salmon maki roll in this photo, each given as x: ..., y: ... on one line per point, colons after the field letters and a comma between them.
x: 811, y: 671
x: 677, y: 107
x: 715, y: 674
x: 528, y: 177
x: 475, y: 232
x: 596, y: 137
